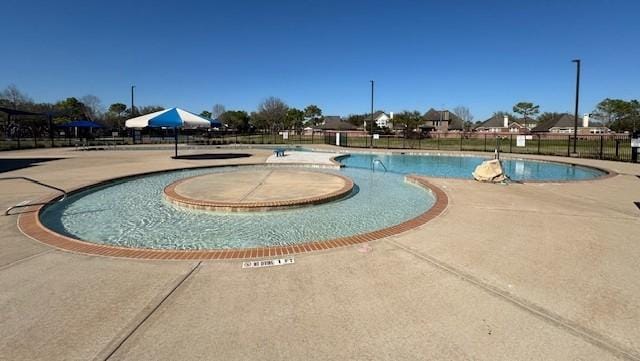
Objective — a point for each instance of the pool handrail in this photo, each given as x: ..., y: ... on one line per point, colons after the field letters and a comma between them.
x: 35, y: 181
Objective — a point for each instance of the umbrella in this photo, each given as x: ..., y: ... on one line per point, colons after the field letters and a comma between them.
x: 169, y: 118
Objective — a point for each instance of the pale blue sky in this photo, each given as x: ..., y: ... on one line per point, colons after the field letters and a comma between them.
x: 486, y: 55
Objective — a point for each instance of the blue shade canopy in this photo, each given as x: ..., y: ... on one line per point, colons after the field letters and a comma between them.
x: 216, y: 123
x: 169, y: 118
x: 81, y: 124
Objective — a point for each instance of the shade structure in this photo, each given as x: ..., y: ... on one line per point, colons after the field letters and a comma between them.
x: 216, y: 123
x: 81, y: 124
x: 169, y: 118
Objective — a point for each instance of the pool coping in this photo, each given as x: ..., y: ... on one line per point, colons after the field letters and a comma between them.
x: 171, y: 195
x: 29, y: 224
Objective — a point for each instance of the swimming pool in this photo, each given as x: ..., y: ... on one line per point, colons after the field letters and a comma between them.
x: 133, y: 213
x: 462, y: 166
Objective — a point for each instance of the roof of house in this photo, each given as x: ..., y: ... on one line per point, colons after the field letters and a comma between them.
x: 332, y: 118
x: 496, y: 121
x: 564, y: 121
x: 336, y: 123
x: 455, y: 123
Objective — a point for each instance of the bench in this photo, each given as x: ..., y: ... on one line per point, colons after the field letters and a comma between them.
x: 279, y: 152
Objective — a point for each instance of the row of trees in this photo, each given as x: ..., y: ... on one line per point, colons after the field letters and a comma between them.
x: 88, y: 107
x: 617, y: 114
x: 272, y: 114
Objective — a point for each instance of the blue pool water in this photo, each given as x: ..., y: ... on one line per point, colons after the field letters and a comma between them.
x: 463, y: 166
x: 134, y: 213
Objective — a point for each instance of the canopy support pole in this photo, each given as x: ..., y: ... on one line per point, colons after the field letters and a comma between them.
x: 50, y: 129
x: 175, y: 134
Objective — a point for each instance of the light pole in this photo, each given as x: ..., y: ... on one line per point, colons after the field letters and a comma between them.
x: 575, y: 120
x: 372, y: 84
x: 133, y: 112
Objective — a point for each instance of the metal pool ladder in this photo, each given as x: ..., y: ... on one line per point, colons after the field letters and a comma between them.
x: 379, y: 162
x: 23, y: 204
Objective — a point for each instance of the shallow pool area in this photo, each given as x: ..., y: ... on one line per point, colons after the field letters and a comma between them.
x: 452, y: 166
x: 133, y: 213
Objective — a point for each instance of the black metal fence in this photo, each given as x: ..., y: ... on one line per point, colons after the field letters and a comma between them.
x: 606, y: 146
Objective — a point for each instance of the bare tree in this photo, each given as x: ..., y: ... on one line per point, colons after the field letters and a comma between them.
x: 217, y: 111
x: 465, y: 114
x: 92, y: 104
x: 271, y: 113
x: 14, y: 96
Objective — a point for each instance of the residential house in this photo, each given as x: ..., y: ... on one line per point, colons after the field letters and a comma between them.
x: 502, y: 124
x: 441, y: 121
x: 334, y: 122
x: 565, y: 123
x: 382, y: 119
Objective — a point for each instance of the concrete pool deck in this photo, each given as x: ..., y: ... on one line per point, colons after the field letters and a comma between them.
x: 524, y: 271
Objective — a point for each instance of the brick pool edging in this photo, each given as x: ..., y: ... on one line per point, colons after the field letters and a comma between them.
x: 29, y: 223
x: 174, y: 197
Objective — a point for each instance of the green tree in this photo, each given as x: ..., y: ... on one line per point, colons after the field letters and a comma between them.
x: 238, y: 120
x: 206, y: 114
x: 409, y: 119
x: 527, y: 110
x: 619, y: 115
x: 313, y: 114
x: 547, y: 116
x: 117, y: 109
x: 356, y: 119
x: 70, y: 109
x: 294, y: 119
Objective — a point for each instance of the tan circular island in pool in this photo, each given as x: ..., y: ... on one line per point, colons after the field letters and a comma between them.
x: 258, y: 190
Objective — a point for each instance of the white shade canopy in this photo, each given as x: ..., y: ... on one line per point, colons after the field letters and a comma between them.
x: 169, y: 118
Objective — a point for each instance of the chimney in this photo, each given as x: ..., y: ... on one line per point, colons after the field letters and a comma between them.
x: 585, y: 121
x: 506, y: 121
x: 391, y: 115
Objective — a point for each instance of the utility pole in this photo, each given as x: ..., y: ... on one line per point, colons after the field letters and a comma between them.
x: 575, y: 120
x: 372, y: 84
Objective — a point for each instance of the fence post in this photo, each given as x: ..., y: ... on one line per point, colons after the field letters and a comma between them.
x: 539, y: 136
x: 510, y: 143
x: 601, y: 145
x: 419, y: 141
x: 569, y: 146
x: 485, y: 142
x: 438, y: 141
x: 617, y: 149
x: 461, y: 142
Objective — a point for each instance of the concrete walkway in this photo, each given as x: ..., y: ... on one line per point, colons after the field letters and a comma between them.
x: 535, y: 271
x: 299, y: 157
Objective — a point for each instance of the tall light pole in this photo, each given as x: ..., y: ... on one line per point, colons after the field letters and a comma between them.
x: 372, y: 84
x: 575, y: 120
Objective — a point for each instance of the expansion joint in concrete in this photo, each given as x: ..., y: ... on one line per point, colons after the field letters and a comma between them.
x: 546, y: 315
x: 116, y: 344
